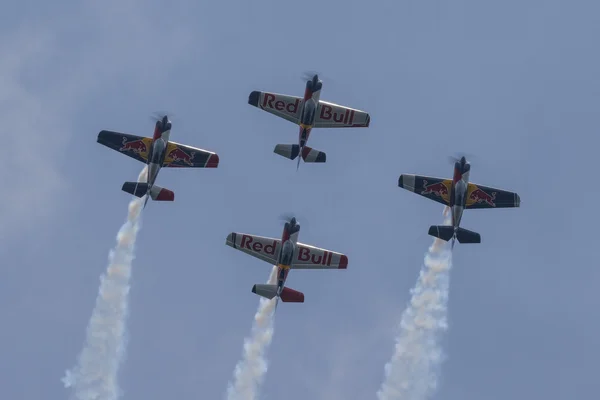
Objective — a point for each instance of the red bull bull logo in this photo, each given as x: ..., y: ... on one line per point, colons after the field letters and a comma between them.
x: 136, y: 146
x: 438, y: 189
x: 479, y: 196
x: 177, y: 155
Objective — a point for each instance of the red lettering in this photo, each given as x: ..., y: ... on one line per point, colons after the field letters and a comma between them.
x: 338, y: 117
x: 280, y: 105
x: 304, y: 254
x: 351, y: 117
x: 246, y: 240
x: 293, y: 107
x: 325, y: 112
x: 318, y: 260
x: 268, y: 99
x: 270, y: 248
x: 257, y: 246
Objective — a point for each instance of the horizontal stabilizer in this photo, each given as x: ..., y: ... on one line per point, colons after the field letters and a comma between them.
x: 161, y: 194
x: 291, y: 296
x: 290, y: 151
x: 446, y: 233
x: 135, y: 188
x: 311, y: 155
x: 264, y: 290
x: 466, y: 236
x: 443, y: 232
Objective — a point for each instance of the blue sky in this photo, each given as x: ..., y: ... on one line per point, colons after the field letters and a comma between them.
x: 514, y: 83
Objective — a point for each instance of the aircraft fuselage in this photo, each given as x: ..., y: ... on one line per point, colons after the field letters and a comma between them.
x: 458, y: 193
x: 289, y: 239
x: 158, y: 150
x: 312, y: 93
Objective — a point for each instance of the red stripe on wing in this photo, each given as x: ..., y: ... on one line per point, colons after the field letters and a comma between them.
x: 343, y: 262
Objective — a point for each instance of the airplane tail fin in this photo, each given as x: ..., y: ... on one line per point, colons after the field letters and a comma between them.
x: 311, y: 155
x: 141, y: 189
x: 290, y: 151
x: 466, y: 236
x: 135, y: 188
x: 161, y: 194
x: 443, y: 232
x: 446, y: 233
x: 269, y: 291
x: 291, y: 296
x: 265, y: 290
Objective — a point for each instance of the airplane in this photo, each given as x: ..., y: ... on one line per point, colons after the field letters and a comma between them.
x: 286, y: 254
x: 308, y: 112
x: 157, y: 152
x: 458, y: 194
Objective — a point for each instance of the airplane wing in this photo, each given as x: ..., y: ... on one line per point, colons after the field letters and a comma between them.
x: 479, y: 196
x: 436, y: 189
x: 281, y: 105
x: 182, y: 156
x: 310, y: 257
x: 131, y: 145
x: 331, y: 115
x: 261, y: 247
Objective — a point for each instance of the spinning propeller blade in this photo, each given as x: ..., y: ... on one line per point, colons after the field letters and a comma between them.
x: 308, y: 75
x: 158, y: 115
x: 287, y: 217
x: 457, y: 156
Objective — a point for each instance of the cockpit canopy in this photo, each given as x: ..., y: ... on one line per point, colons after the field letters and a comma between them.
x: 158, y: 150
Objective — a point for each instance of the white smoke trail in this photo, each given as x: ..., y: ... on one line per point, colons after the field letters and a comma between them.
x: 251, y: 369
x: 413, y: 370
x: 95, y: 376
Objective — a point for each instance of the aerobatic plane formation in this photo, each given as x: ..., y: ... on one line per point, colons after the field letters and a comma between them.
x: 308, y: 112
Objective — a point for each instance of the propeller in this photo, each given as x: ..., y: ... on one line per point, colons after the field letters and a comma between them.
x: 287, y: 217
x: 308, y: 75
x: 457, y: 156
x: 158, y: 116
